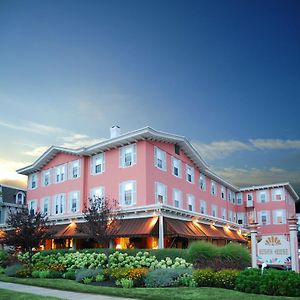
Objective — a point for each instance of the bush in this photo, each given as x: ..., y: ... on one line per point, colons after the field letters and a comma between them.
x: 12, y: 270
x: 24, y: 271
x: 236, y: 253
x: 164, y: 277
x: 69, y: 275
x: 204, y: 277
x: 86, y: 273
x: 35, y: 274
x: 100, y: 278
x: 119, y: 273
x: 186, y: 280
x: 2, y: 270
x: 225, y: 279
x: 56, y: 267
x: 272, y: 282
x: 87, y: 280
x: 202, y: 250
x: 138, y: 276
x: 125, y: 283
x: 55, y: 274
x: 3, y: 256
x: 10, y: 260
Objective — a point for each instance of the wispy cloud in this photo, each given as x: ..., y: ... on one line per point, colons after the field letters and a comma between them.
x: 221, y: 149
x: 273, y: 144
x: 76, y: 140
x: 8, y: 170
x: 36, y: 151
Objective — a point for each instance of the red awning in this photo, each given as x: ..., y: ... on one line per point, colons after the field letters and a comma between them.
x: 183, y: 228
x: 68, y: 231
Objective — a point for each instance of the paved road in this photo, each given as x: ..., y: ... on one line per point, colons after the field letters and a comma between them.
x: 55, y: 293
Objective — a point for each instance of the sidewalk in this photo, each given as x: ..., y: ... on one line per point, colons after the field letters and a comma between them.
x: 55, y: 293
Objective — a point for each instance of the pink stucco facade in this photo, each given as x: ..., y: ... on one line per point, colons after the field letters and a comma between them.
x: 135, y: 185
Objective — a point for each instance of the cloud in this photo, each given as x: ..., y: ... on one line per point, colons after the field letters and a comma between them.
x: 76, y: 140
x: 273, y: 144
x: 8, y: 171
x: 221, y: 149
x: 36, y: 151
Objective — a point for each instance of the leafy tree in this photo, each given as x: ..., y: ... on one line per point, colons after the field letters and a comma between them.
x: 102, y: 218
x: 26, y: 230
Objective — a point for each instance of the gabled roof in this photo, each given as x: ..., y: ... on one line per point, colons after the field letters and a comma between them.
x: 146, y: 133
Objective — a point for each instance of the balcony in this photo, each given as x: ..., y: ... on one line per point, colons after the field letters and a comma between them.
x: 249, y: 203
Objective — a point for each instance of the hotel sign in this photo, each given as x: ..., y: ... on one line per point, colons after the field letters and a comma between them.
x: 274, y: 250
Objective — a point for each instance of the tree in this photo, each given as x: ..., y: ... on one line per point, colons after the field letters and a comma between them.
x: 102, y: 218
x: 26, y: 230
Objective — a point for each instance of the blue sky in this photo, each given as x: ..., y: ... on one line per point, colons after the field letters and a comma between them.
x: 226, y: 74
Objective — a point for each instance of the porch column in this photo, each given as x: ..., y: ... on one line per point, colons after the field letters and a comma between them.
x: 111, y: 244
x: 253, y: 230
x: 73, y: 244
x: 161, y: 232
x: 294, y: 243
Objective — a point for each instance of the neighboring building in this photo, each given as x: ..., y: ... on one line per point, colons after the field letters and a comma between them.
x: 168, y: 193
x: 10, y: 199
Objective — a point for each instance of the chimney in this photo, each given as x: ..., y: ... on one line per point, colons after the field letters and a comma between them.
x: 115, y: 131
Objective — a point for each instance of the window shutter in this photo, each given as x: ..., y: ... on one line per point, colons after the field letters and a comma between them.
x: 155, y: 156
x: 92, y: 171
x: 70, y: 170
x: 78, y: 202
x: 164, y: 161
x: 79, y: 167
x: 134, y: 154
x: 134, y: 193
x: 121, y: 187
x: 165, y: 195
x: 121, y: 164
x: 156, y: 191
x: 103, y: 162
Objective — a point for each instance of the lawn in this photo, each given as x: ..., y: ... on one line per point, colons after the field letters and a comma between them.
x: 142, y: 293
x: 8, y: 294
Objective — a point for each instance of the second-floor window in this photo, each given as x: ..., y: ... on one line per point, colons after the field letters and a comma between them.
x: 177, y: 198
x: 74, y: 169
x: 262, y: 196
x: 277, y: 195
x: 33, y: 181
x: 279, y: 216
x: 241, y: 218
x: 128, y: 193
x: 189, y: 174
x: 97, y: 164
x: 45, y: 206
x: 224, y: 213
x: 263, y: 217
x: 213, y: 188
x: 202, y: 206
x: 46, y: 177
x: 190, y: 202
x: 230, y: 216
x: 60, y: 173
x: 202, y: 182
x: 160, y: 192
x: 59, y: 204
x: 74, y: 201
x: 20, y: 198
x: 160, y: 159
x: 239, y: 198
x: 176, y: 167
x: 128, y: 156
x: 223, y: 192
x: 32, y: 207
x: 214, y: 210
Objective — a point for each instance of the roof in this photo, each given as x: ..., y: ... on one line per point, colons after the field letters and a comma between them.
x: 8, y: 193
x: 146, y: 133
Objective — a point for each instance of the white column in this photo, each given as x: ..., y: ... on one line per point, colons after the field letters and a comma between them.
x: 253, y: 230
x: 111, y: 244
x: 161, y: 232
x: 294, y: 243
x: 74, y: 244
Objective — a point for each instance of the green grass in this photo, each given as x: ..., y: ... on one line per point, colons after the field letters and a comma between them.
x: 8, y: 294
x: 143, y: 293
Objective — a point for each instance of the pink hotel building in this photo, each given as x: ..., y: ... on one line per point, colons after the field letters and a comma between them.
x: 167, y: 192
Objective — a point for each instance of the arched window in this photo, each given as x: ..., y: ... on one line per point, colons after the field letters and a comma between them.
x: 20, y: 198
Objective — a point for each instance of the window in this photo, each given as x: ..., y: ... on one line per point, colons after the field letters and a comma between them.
x: 176, y: 167
x: 20, y: 198
x: 213, y: 188
x: 229, y: 196
x: 214, y: 210
x: 177, y: 198
x: 45, y: 206
x: 177, y: 149
x: 160, y: 193
x: 262, y: 196
x: 97, y: 164
x: 240, y: 218
x: 128, y: 193
x: 203, y: 207
x: 223, y: 193
x: 33, y: 181
x: 202, y: 182
x: 279, y: 216
x: 74, y: 169
x: 249, y: 200
x: 233, y: 197
x: 239, y: 199
x: 224, y: 213
x: 251, y: 216
x: 160, y: 159
x: 189, y: 174
x: 59, y: 204
x: 74, y: 201
x: 263, y: 217
x: 97, y: 192
x: 128, y: 156
x: 46, y: 177
x: 230, y: 216
x: 60, y: 172
x: 32, y: 207
x: 278, y: 195
x: 191, y: 202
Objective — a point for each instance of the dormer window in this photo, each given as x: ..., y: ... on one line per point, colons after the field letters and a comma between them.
x: 20, y: 198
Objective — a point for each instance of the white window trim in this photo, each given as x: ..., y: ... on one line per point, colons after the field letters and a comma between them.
x: 274, y: 193
x: 35, y: 205
x: 122, y: 193
x: 165, y: 196
x: 188, y: 169
x: 213, y: 183
x: 22, y: 200
x: 44, y: 199
x: 214, y: 207
x: 122, y: 155
x: 223, y: 191
x: 241, y: 216
x: 179, y: 192
x: 224, y: 213
x: 204, y: 182
x: 174, y: 159
x: 77, y: 202
x: 190, y: 201
x: 205, y: 208
x: 258, y: 196
x: 64, y: 204
x: 164, y: 161
x: 237, y: 197
x: 93, y: 164
x: 262, y: 213
x: 36, y: 181
x: 70, y: 169
x: 274, y: 215
x: 44, y: 175
x: 59, y: 167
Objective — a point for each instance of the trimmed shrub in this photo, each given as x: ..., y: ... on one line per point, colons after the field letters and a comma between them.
x: 35, y: 274
x: 44, y: 274
x: 226, y: 279
x: 164, y: 277
x: 236, y: 253
x: 138, y: 276
x: 12, y: 270
x: 204, y: 277
x: 125, y: 283
x: 3, y: 256
x: 70, y: 275
x: 55, y: 274
x: 86, y: 273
